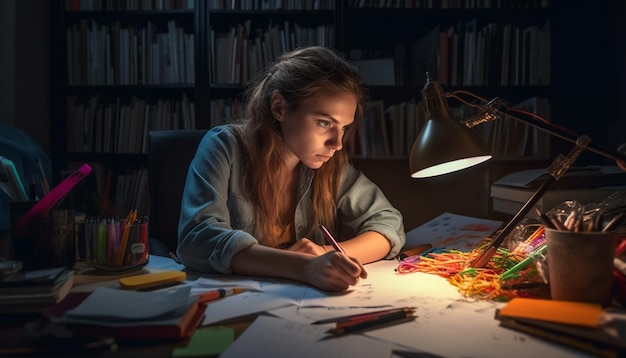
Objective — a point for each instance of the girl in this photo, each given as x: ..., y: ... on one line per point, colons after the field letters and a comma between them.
x: 258, y: 189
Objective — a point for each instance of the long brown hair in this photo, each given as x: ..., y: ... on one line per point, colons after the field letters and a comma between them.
x: 297, y: 75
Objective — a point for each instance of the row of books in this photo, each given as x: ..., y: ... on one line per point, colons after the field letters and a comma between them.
x: 390, y: 131
x: 128, y: 5
x: 256, y: 5
x: 119, y: 54
x: 225, y: 110
x: 111, y: 191
x: 102, y: 126
x: 242, y: 51
x: 467, y: 54
x: 131, y: 192
x: 448, y: 4
x: 509, y: 138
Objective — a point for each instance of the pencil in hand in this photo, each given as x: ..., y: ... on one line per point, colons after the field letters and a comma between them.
x: 331, y: 240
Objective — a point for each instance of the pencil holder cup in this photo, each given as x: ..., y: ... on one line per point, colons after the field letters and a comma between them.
x: 47, y: 241
x: 580, y: 265
x: 116, y: 245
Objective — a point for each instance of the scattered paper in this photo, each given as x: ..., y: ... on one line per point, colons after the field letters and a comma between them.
x: 275, y: 337
x: 452, y: 231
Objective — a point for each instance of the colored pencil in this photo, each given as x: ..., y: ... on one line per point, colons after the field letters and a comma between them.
x: 361, y: 316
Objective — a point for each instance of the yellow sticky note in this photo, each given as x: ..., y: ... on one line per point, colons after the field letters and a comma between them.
x: 567, y: 312
x: 207, y: 341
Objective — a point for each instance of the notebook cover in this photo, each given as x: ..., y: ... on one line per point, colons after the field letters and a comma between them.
x: 566, y: 312
x: 183, y: 329
x: 592, y: 340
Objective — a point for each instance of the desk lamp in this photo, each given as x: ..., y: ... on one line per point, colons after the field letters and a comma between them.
x: 446, y: 145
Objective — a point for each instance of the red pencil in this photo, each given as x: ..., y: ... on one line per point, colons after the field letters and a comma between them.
x: 362, y: 316
x: 368, y: 324
x: 219, y: 293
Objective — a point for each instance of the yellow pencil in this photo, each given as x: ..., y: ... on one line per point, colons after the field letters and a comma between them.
x: 130, y: 220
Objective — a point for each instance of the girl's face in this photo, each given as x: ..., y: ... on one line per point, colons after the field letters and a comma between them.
x: 314, y: 132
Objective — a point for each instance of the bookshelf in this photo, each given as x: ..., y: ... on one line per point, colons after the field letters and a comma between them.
x: 103, y: 105
x: 126, y: 67
x: 493, y: 49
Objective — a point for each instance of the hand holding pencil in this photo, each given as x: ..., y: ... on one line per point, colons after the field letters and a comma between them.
x: 332, y: 271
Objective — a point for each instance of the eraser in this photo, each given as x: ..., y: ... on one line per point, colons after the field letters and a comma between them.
x: 141, y: 282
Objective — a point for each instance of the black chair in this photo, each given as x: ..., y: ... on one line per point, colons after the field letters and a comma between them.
x: 170, y: 152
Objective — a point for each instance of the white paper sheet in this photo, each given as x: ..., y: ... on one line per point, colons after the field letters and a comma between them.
x: 113, y: 304
x: 275, y: 337
x: 452, y: 231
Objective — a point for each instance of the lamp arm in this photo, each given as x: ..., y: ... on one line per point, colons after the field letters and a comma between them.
x: 592, y: 146
x: 556, y: 170
x: 491, y: 109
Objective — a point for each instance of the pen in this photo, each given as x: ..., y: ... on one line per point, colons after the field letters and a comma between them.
x: 379, y: 322
x: 414, y: 251
x: 545, y: 220
x: 332, y: 240
x: 614, y: 222
x: 362, y: 316
x: 54, y: 196
x: 540, y: 251
x: 381, y: 318
x: 219, y: 293
x: 130, y: 221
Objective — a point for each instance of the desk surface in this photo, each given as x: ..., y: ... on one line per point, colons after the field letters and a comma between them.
x: 447, y: 324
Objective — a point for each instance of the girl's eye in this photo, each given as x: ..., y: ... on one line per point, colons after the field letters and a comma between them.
x: 324, y: 124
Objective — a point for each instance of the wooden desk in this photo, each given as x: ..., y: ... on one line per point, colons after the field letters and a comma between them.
x: 447, y: 324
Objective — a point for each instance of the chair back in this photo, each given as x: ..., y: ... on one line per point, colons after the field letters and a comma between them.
x: 170, y: 152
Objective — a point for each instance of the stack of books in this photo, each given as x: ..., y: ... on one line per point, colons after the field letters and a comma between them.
x: 590, y: 184
x: 34, y: 290
x: 584, y: 326
x: 128, y: 314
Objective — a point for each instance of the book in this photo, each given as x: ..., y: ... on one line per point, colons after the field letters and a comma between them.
x: 581, y: 314
x: 591, y: 176
x: 35, y: 297
x: 377, y: 71
x: 176, y: 323
x: 34, y: 281
x: 606, y: 340
x: 506, y: 199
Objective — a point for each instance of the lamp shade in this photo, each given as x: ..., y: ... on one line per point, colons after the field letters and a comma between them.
x: 444, y: 145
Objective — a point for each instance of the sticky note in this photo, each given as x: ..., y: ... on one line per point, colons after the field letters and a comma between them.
x: 566, y: 312
x: 207, y: 341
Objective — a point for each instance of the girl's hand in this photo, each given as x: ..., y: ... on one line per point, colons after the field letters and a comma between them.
x: 307, y: 246
x: 334, y: 271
